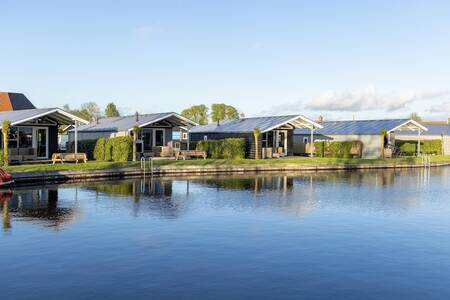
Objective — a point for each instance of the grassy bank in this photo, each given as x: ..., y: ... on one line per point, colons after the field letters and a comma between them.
x: 93, y: 165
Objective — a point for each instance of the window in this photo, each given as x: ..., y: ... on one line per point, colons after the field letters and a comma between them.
x: 147, y: 138
x: 176, y: 135
x: 205, y: 137
x: 12, y: 137
x: 159, y: 137
x: 25, y: 137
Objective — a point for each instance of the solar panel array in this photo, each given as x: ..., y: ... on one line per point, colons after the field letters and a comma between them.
x: 355, y: 127
x: 244, y: 125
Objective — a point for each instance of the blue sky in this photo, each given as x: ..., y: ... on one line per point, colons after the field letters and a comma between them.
x: 340, y: 59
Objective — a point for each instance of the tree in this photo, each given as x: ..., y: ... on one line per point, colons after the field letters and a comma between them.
x: 231, y: 113
x: 90, y: 110
x: 197, y: 114
x: 221, y: 111
x: 111, y: 110
x: 415, y: 116
x: 218, y: 112
x: 5, y: 131
x: 256, y: 134
x: 135, y: 132
x: 383, y: 134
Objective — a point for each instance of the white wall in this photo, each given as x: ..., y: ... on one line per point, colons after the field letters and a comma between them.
x: 371, y: 143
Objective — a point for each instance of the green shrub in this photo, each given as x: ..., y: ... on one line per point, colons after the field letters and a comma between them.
x: 319, y: 148
x: 426, y: 147
x: 108, y: 149
x: 99, y: 150
x: 122, y: 148
x: 84, y: 146
x: 231, y: 148
x: 113, y: 149
x: 334, y: 148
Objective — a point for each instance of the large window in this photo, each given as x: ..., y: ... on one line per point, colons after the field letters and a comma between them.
x: 147, y: 139
x: 20, y: 137
x: 25, y: 137
x: 12, y: 137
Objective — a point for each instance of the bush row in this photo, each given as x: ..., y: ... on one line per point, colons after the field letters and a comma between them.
x: 113, y: 149
x: 426, y: 147
x: 336, y: 149
x: 232, y: 148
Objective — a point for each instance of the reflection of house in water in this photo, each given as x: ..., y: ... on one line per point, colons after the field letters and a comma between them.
x: 152, y: 196
x: 38, y: 205
x: 138, y: 188
x: 254, y: 183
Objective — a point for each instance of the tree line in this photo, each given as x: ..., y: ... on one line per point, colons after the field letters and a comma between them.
x: 91, y: 111
x: 219, y: 112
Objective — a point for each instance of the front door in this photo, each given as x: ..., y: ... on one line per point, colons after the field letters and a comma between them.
x: 158, y: 137
x: 41, y: 142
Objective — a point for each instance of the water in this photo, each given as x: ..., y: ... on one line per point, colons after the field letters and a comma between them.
x: 347, y: 235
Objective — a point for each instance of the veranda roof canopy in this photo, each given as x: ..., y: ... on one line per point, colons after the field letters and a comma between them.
x: 40, y: 116
x: 410, y: 125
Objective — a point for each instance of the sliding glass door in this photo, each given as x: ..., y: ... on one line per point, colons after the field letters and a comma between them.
x: 41, y: 142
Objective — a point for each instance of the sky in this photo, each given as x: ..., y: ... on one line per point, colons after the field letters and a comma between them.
x: 339, y: 59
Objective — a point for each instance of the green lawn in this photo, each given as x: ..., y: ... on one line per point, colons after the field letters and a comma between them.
x: 93, y: 165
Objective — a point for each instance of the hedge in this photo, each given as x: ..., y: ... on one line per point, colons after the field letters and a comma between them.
x: 334, y: 148
x: 426, y: 147
x: 99, y: 150
x: 113, y: 149
x: 231, y: 148
x: 84, y: 146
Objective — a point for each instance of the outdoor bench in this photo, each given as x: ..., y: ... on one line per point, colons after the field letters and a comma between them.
x: 190, y: 153
x: 72, y: 157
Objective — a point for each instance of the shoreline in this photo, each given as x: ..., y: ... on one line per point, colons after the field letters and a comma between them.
x: 27, y: 177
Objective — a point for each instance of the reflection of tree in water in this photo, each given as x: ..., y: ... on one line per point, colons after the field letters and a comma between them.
x: 38, y: 205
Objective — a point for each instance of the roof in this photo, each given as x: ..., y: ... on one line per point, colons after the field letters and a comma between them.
x: 433, y: 129
x: 264, y: 124
x: 126, y: 123
x: 361, y: 126
x: 17, y: 117
x: 14, y: 101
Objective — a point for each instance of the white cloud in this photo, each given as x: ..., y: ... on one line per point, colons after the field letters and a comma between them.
x: 443, y: 107
x: 362, y: 99
x: 367, y: 101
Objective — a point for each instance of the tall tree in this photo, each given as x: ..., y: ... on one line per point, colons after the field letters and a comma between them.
x: 196, y: 113
x: 111, y: 110
x: 91, y: 110
x: 415, y: 116
x: 218, y: 112
x: 231, y: 113
x: 221, y: 111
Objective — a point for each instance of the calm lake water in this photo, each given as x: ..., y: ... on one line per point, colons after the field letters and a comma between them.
x: 340, y: 235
